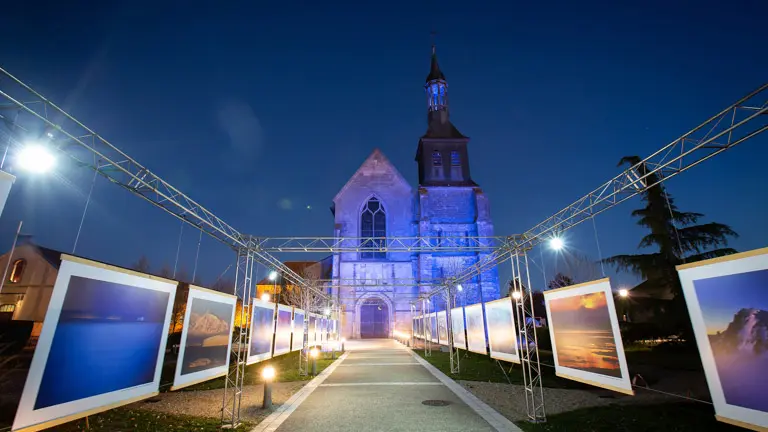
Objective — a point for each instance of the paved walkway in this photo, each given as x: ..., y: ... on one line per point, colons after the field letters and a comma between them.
x: 379, y: 386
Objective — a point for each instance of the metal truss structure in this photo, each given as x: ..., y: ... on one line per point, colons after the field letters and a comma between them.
x: 528, y: 343
x: 441, y: 244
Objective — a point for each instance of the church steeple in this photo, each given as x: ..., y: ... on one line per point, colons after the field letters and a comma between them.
x: 436, y: 86
x: 442, y: 154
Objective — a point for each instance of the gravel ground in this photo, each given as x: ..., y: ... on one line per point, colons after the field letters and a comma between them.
x: 207, y: 403
x: 509, y: 400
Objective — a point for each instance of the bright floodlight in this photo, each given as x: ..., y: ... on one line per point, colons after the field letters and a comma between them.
x: 272, y: 275
x: 268, y: 373
x: 556, y: 243
x: 35, y: 158
x: 516, y: 295
x: 623, y: 293
x: 459, y: 287
x: 314, y: 352
x: 265, y: 297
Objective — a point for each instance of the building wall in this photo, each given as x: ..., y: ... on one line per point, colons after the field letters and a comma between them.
x: 33, y: 292
x: 454, y: 211
x: 376, y: 177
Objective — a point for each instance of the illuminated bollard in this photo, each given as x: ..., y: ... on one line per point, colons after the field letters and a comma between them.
x: 268, y: 373
x: 342, y: 343
x: 313, y: 353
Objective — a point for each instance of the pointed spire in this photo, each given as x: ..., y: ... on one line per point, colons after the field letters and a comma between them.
x: 434, y: 70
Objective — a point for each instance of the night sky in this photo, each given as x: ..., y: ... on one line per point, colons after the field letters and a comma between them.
x: 260, y: 110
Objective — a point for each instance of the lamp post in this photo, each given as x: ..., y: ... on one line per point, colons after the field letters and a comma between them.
x: 268, y: 373
x: 624, y: 296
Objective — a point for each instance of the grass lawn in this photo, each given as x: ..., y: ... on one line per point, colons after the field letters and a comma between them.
x: 478, y: 367
x: 124, y: 419
x: 621, y: 418
x: 286, y: 370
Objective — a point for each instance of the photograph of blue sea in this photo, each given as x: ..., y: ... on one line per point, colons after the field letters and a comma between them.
x: 107, y: 338
x: 262, y: 330
x: 735, y: 311
x: 283, y: 332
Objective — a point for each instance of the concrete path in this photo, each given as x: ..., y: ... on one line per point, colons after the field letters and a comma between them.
x: 378, y: 385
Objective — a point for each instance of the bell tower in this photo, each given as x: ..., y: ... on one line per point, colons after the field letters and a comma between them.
x: 442, y: 153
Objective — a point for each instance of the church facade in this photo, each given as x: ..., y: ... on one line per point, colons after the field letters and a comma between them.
x: 375, y: 288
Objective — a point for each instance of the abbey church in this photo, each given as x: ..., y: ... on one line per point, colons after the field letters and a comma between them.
x: 376, y: 288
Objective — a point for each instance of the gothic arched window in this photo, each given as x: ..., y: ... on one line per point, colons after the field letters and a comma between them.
x: 437, y: 159
x: 373, y: 230
x: 17, y: 270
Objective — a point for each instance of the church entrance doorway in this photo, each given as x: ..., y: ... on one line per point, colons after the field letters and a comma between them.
x: 374, y: 319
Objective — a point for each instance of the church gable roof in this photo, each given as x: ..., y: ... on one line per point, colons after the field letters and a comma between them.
x: 376, y: 165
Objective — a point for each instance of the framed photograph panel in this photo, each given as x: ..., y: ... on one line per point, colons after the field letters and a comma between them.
x: 457, y: 327
x: 102, y: 344
x: 442, y: 327
x: 502, y: 331
x: 298, y: 330
x: 433, y: 325
x: 475, y: 328
x: 262, y: 331
x: 206, y: 338
x: 586, y: 341
x: 283, y: 330
x: 727, y: 300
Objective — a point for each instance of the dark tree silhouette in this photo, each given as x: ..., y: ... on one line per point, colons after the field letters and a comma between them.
x: 678, y: 239
x: 142, y: 265
x: 560, y: 281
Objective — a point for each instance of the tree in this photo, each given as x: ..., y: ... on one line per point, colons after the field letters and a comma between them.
x: 560, y: 281
x: 678, y: 239
x: 142, y: 265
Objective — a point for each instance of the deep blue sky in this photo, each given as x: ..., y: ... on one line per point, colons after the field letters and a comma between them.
x: 244, y: 107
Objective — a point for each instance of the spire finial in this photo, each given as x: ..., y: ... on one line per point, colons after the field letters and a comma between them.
x: 432, y: 36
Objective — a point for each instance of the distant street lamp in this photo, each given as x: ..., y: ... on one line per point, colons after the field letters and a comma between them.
x: 313, y: 353
x: 556, y: 243
x: 273, y: 276
x: 516, y: 295
x: 265, y: 297
x: 623, y: 293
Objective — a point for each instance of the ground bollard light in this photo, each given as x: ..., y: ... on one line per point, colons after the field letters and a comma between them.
x: 313, y: 353
x: 342, y: 343
x: 268, y: 373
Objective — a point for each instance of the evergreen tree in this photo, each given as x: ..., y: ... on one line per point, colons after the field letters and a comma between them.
x: 678, y: 238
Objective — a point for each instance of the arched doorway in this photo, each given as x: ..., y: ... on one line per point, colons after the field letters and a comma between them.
x: 374, y: 318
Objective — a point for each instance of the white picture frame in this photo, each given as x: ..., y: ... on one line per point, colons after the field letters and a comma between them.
x: 442, y: 327
x: 709, y: 310
x: 297, y: 340
x: 27, y: 417
x: 266, y: 331
x: 282, y: 344
x: 475, y: 323
x: 597, y: 290
x: 181, y: 380
x: 498, y: 330
x: 457, y: 327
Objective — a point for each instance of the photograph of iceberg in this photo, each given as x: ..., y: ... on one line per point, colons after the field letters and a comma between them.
x: 735, y: 312
x: 208, y: 335
x: 107, y: 338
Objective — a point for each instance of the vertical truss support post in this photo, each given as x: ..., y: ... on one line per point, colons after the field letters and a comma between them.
x: 413, y: 326
x: 454, y: 352
x: 233, y: 383
x: 304, y: 352
x: 529, y: 352
x: 427, y: 340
